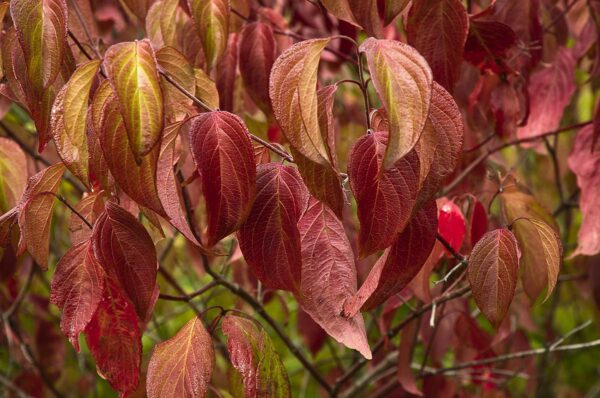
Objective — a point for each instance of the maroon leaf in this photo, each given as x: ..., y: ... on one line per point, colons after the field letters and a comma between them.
x: 399, y: 263
x: 77, y: 288
x: 114, y: 339
x: 488, y: 43
x: 329, y: 276
x: 269, y: 239
x: 220, y: 144
x: 126, y: 252
x: 492, y: 272
x: 438, y: 29
x: 226, y: 74
x: 312, y: 334
x: 385, y: 199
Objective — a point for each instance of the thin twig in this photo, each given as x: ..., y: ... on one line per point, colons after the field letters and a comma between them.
x: 190, y: 296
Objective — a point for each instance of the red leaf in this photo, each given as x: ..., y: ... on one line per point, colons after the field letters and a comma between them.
x: 400, y: 263
x: 220, y: 144
x: 114, y: 339
x: 550, y: 91
x: 451, y: 223
x: 90, y: 207
x: 269, y: 239
x: 492, y: 272
x: 488, y: 43
x: 226, y: 74
x: 257, y: 53
x: 438, y: 29
x: 406, y: 378
x: 77, y: 288
x: 329, y: 276
x: 478, y: 222
x: 585, y: 163
x: 182, y: 366
x: 126, y: 252
x: 312, y: 334
x: 385, y: 199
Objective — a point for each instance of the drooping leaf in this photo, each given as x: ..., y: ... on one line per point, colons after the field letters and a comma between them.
x: 400, y: 263
x: 385, y: 199
x: 13, y: 174
x: 77, y: 288
x: 41, y: 27
x: 478, y: 222
x: 165, y: 22
x: 329, y: 276
x: 451, y: 223
x: 126, y: 252
x: 174, y: 63
x: 492, y: 272
x: 35, y: 212
x: 488, y: 43
x: 585, y: 163
x: 68, y: 124
x: 89, y: 207
x: 226, y: 74
x: 438, y: 30
x: 258, y: 51
x: 132, y: 72
x: 541, y: 251
x: 253, y: 355
x: 550, y: 91
x: 269, y: 239
x: 403, y: 82
x: 362, y: 13
x: 138, y: 181
x: 516, y: 203
x: 182, y: 366
x: 223, y: 154
x: 392, y: 8
x: 293, y: 92
x: 311, y: 333
x: 212, y: 23
x: 115, y: 340
x: 324, y: 182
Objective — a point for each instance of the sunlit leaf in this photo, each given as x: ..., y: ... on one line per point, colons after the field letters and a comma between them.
x: 212, y: 23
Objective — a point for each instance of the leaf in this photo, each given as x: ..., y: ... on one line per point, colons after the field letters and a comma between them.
x: 385, y: 199
x: 403, y: 82
x: 174, y: 63
x: 585, y: 163
x: 126, y: 252
x: 90, y: 207
x: 222, y: 150
x: 13, y: 174
x: 35, y: 212
x: 132, y: 71
x: 226, y: 74
x: 392, y: 8
x: 399, y: 264
x: 212, y: 23
x: 488, y: 43
x: 206, y: 89
x: 519, y: 204
x: 165, y: 22
x: 550, y: 91
x: 115, y: 340
x: 41, y: 27
x: 253, y: 355
x: 324, y: 182
x: 492, y: 273
x: 77, y: 288
x: 541, y: 255
x: 294, y: 98
x: 168, y: 186
x: 139, y: 8
x: 312, y: 334
x: 69, y: 120
x: 183, y: 365
x: 138, y: 181
x: 329, y: 276
x: 257, y: 53
x: 269, y: 239
x: 438, y: 30
x: 451, y: 224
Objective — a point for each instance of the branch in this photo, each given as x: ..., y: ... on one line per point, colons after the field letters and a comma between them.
x: 190, y: 296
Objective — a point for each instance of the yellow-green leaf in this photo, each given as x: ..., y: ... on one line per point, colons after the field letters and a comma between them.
x: 212, y: 23
x: 69, y: 120
x: 133, y: 73
x: 206, y: 89
x: 403, y: 82
x: 293, y: 91
x: 177, y: 105
x: 13, y: 174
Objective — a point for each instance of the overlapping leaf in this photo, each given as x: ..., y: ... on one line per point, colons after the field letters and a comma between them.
x: 361, y: 13
x: 403, y: 82
x: 13, y: 174
x: 329, y: 276
x: 269, y: 239
x: 182, y: 366
x: 77, y: 288
x: 126, y: 252
x: 223, y: 154
x: 294, y: 98
x: 212, y: 23
x: 165, y: 22
x: 253, y: 355
x: 35, y: 212
x: 206, y: 89
x: 492, y: 272
x: 89, y: 207
x: 400, y: 263
x: 69, y: 120
x: 115, y: 340
x: 133, y: 73
x: 385, y: 199
x: 174, y: 63
x: 438, y: 30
